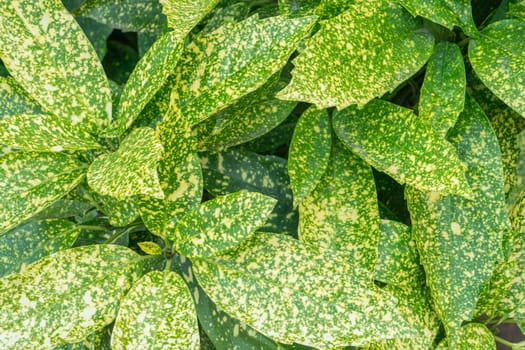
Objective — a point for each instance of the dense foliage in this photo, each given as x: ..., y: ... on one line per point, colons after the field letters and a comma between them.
x: 288, y: 174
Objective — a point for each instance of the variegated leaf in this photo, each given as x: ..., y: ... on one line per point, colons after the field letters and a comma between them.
x: 341, y: 213
x: 459, y: 240
x: 63, y: 209
x: 221, y: 15
x: 44, y: 133
x: 217, y: 69
x: 32, y: 241
x: 498, y: 58
x: 150, y: 248
x: 269, y: 277
x: 443, y: 91
x: 309, y: 152
x: 157, y: 313
x: 472, y: 336
x: 332, y: 8
x: 120, y: 212
x: 358, y: 55
x: 517, y: 10
x: 220, y: 224
x: 30, y: 182
x: 183, y: 15
x: 97, y: 33
x: 94, y: 341
x: 38, y: 40
x: 394, y: 140
x: 14, y: 100
x: 131, y: 170
x: 64, y: 297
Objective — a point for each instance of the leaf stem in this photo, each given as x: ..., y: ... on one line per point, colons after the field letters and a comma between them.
x: 92, y: 228
x: 514, y: 346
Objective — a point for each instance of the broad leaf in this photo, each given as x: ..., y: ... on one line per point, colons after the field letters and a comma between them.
x: 45, y: 50
x: 472, y: 336
x: 157, y: 313
x: 221, y: 15
x: 498, y: 58
x: 459, y: 240
x: 183, y: 15
x: 131, y: 170
x: 64, y: 297
x: 220, y: 224
x: 394, y: 140
x: 218, y: 68
x: 358, y: 55
x: 517, y: 10
x: 14, y: 100
x: 63, y: 209
x: 44, y: 133
x: 30, y: 182
x: 97, y: 33
x: 32, y: 241
x: 309, y: 152
x: 341, y: 213
x: 120, y: 212
x: 269, y: 277
x: 443, y: 91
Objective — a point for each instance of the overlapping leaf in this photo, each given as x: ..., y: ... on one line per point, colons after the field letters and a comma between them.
x: 358, y: 55
x: 221, y: 15
x: 64, y: 297
x: 183, y: 15
x: 270, y: 277
x: 30, y: 182
x: 394, y: 140
x: 157, y: 313
x: 97, y: 33
x: 14, y: 100
x: 498, y: 58
x: 120, y: 212
x: 46, y: 51
x: 472, y: 336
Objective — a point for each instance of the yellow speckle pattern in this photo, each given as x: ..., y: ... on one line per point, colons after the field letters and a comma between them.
x: 471, y: 336
x: 183, y: 15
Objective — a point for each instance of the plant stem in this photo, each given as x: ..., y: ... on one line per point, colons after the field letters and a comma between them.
x: 506, y: 342
x: 92, y: 228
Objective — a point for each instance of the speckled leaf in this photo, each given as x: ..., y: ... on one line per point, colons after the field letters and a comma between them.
x: 14, y: 100
x: 94, y: 341
x: 44, y: 133
x: 459, y: 240
x: 63, y: 209
x: 332, y: 8
x: 32, y: 241
x: 309, y: 152
x: 183, y: 15
x: 448, y: 13
x: 443, y: 91
x: 120, y: 212
x: 269, y: 277
x: 358, y: 55
x: 221, y: 15
x: 394, y: 140
x: 150, y: 248
x: 157, y: 313
x: 30, y: 182
x: 517, y: 10
x: 218, y: 68
x: 472, y: 336
x: 131, y: 170
x: 498, y: 58
x: 232, y: 171
x: 220, y: 224
x: 97, y: 33
x: 64, y: 297
x: 341, y: 213
x: 45, y: 50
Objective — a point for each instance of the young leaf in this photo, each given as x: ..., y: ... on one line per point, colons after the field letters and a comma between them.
x: 157, y: 313
x: 341, y: 214
x: 269, y: 277
x: 358, y: 55
x: 459, y: 240
x: 32, y: 241
x: 472, y: 336
x: 45, y: 50
x: 498, y: 58
x: 14, y: 100
x: 131, y: 170
x: 44, y: 133
x: 443, y: 91
x: 220, y: 224
x: 218, y: 68
x: 30, y: 182
x: 183, y: 15
x: 394, y: 140
x: 150, y: 248
x: 309, y: 152
x: 64, y: 297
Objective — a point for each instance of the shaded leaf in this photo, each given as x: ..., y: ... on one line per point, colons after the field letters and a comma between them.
x: 472, y: 336
x: 183, y: 15
x: 64, y: 208
x: 517, y: 10
x: 97, y: 33
x: 221, y: 15
x: 14, y: 100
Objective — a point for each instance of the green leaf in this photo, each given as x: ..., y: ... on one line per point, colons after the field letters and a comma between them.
x: 269, y: 277
x: 45, y: 50
x: 150, y: 248
x: 157, y: 313
x: 448, y: 13
x: 63, y: 209
x: 131, y: 170
x: 221, y: 15
x: 498, y: 58
x: 94, y: 341
x: 472, y: 336
x: 517, y: 10
x: 309, y: 152
x: 220, y: 224
x: 459, y: 240
x: 97, y: 33
x: 358, y: 55
x: 394, y: 140
x: 121, y: 212
x: 217, y: 69
x: 44, y: 133
x: 14, y: 100
x: 183, y: 15
x: 64, y: 297
x: 30, y: 182
x: 32, y: 241
x: 443, y: 92
x: 341, y: 214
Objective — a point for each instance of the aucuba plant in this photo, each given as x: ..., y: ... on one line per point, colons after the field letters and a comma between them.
x: 292, y: 174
